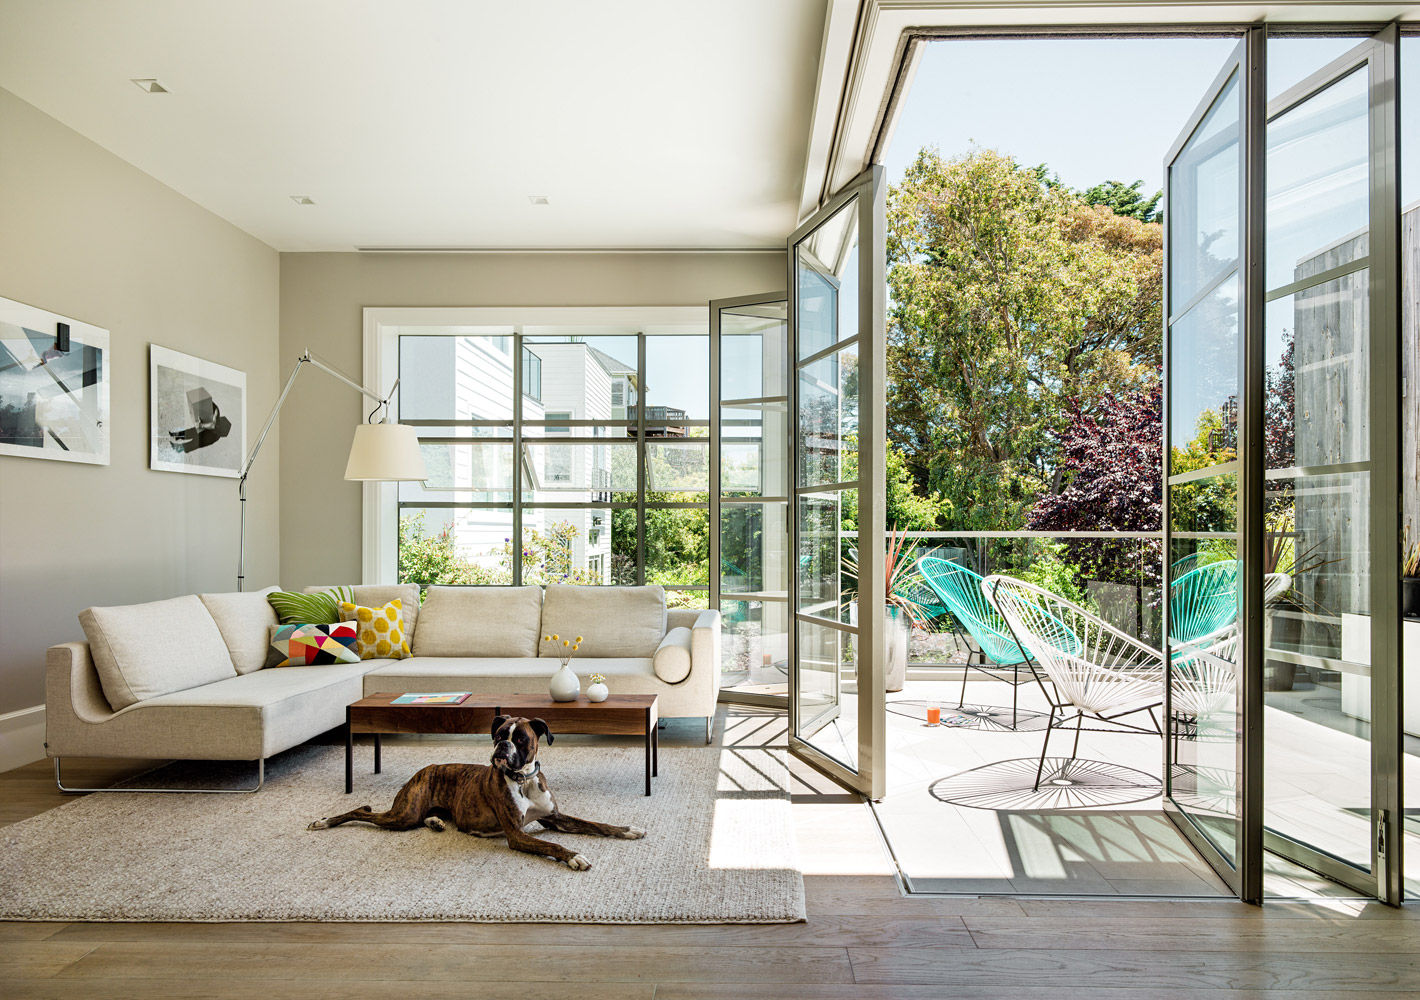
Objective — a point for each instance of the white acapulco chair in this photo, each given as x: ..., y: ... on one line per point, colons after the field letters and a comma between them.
x: 1205, y: 668
x: 1096, y: 670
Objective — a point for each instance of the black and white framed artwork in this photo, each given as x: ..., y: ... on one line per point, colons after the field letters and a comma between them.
x: 54, y: 386
x: 197, y: 414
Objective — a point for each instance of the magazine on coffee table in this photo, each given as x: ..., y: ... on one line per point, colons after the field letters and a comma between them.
x: 432, y: 698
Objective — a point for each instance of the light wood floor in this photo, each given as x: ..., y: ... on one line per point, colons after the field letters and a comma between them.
x: 863, y: 939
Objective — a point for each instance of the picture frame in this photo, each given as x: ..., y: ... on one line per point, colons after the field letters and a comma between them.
x: 196, y: 415
x: 54, y: 386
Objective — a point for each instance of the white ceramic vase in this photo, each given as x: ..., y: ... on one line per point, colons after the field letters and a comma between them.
x: 597, y: 692
x: 565, y: 686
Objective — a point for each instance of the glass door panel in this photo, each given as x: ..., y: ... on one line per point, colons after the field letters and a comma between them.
x: 750, y: 488
x: 836, y: 409
x: 1204, y: 337
x: 1325, y: 540
x: 1282, y: 376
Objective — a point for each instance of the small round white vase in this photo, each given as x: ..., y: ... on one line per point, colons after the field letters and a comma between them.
x: 565, y: 686
x: 597, y: 692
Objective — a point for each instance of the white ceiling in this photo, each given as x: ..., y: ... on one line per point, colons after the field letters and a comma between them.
x: 428, y: 123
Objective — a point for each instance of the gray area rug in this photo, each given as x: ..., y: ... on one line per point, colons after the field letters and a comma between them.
x: 719, y: 847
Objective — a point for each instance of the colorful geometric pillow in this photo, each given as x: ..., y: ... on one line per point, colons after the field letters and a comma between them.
x: 316, y: 609
x: 380, y: 630
x: 313, y: 644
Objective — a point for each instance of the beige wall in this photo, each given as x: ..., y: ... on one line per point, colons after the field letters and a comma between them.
x: 84, y: 234
x: 322, y: 298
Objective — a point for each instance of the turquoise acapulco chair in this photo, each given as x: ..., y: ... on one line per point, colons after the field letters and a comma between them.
x: 994, y: 648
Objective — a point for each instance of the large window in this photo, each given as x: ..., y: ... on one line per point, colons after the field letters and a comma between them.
x: 554, y: 472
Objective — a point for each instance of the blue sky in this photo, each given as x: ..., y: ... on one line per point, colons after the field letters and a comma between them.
x: 1092, y: 109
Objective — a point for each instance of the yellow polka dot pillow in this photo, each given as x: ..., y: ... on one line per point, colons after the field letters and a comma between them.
x: 379, y: 632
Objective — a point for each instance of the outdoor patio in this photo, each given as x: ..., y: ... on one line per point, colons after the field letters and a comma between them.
x: 960, y: 814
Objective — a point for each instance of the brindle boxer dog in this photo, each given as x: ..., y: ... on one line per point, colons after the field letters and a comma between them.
x: 490, y: 801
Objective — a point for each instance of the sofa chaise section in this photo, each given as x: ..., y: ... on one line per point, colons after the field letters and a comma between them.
x: 246, y: 717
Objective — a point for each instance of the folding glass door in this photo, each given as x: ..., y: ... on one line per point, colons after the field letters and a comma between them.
x: 1282, y: 378
x: 836, y: 397
x: 1330, y: 469
x: 749, y: 543
x: 1207, y: 298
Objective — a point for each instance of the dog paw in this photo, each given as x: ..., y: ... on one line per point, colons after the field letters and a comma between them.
x: 435, y: 823
x: 578, y: 863
x: 319, y: 824
x: 632, y: 833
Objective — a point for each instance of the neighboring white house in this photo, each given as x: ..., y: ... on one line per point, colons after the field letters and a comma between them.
x: 471, y: 378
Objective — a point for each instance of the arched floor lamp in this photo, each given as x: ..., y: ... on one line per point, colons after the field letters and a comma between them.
x: 380, y: 452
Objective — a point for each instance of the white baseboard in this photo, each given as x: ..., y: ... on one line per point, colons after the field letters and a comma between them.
x: 21, y: 737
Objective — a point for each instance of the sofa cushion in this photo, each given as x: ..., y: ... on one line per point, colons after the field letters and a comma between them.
x: 245, y: 621
x: 375, y: 595
x: 612, y: 621
x: 145, y: 650
x: 316, y: 644
x: 379, y: 630
x: 672, y: 659
x: 312, y: 606
x: 246, y: 717
x: 479, y: 621
x: 503, y: 675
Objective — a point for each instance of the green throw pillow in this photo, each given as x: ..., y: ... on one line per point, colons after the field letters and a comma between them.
x: 310, y: 609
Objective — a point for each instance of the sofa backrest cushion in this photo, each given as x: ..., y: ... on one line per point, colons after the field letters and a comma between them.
x: 612, y: 621
x: 479, y: 621
x: 245, y: 620
x: 377, y: 595
x: 144, y: 650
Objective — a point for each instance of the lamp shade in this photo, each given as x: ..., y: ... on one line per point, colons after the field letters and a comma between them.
x: 385, y: 453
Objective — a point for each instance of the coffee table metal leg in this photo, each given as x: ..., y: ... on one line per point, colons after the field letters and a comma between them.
x: 655, y: 751
x: 650, y: 728
x: 377, y: 753
x: 349, y: 756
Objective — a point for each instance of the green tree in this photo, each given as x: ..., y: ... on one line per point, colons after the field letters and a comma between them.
x: 1125, y: 199
x: 1014, y: 304
x: 906, y: 508
x: 1209, y: 504
x: 677, y: 542
x: 428, y: 559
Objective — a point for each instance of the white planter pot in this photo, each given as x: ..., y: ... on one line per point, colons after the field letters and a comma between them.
x: 897, y: 629
x: 597, y: 692
x: 564, y: 686
x: 899, y: 634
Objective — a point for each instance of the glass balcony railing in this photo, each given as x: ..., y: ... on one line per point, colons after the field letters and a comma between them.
x: 1115, y: 575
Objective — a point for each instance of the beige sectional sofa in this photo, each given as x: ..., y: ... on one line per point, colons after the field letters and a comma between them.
x: 187, y: 678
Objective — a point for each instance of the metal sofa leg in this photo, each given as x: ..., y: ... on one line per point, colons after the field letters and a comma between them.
x: 709, y: 729
x: 260, y: 780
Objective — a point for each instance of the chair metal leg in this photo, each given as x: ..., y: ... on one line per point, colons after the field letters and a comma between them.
x: 260, y: 780
x: 1015, y: 692
x: 1044, y: 746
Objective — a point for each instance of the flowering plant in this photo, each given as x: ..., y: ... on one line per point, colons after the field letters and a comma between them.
x: 568, y: 647
x: 597, y: 678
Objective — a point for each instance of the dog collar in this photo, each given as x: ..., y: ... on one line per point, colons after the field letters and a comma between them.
x: 516, y: 776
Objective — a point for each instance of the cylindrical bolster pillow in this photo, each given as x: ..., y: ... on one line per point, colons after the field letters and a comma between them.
x: 672, y: 660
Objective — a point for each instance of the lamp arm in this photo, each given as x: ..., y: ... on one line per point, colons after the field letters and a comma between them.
x: 306, y: 358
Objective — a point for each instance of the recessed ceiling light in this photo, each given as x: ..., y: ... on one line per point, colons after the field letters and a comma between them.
x: 538, y: 199
x: 149, y: 85
x: 303, y: 199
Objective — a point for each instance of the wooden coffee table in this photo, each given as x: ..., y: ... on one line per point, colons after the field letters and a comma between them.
x: 619, y: 715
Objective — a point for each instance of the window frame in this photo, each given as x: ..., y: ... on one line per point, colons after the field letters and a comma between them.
x: 524, y: 326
